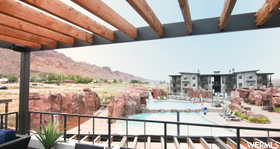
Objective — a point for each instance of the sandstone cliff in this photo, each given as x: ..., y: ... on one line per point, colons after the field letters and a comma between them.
x: 55, y: 62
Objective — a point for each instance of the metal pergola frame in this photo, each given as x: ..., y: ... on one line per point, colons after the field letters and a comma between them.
x: 22, y: 36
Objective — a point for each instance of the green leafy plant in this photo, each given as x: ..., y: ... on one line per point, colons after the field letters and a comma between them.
x: 261, y: 119
x: 49, y: 135
x: 277, y: 109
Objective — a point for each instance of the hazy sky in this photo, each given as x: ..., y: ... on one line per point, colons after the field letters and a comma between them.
x: 157, y: 59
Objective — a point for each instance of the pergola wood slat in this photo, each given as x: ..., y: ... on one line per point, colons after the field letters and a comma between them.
x: 18, y: 10
x: 4, y: 30
x: 19, y: 42
x: 62, y: 10
x: 31, y: 28
x: 224, y: 19
x: 239, y: 22
x: 264, y: 14
x: 184, y: 5
x: 100, y: 9
x: 143, y: 8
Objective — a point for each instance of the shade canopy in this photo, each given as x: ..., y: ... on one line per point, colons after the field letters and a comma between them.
x: 53, y: 24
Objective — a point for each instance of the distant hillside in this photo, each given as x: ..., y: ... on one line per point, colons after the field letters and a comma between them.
x: 54, y: 62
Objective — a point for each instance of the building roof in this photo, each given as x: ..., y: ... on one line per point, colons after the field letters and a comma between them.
x: 188, y: 73
x: 266, y: 73
x: 256, y: 70
x: 175, y: 75
x: 63, y: 26
x: 221, y: 74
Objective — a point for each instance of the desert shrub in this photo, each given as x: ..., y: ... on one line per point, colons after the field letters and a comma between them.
x: 261, y: 119
x: 85, y: 80
x: 276, y: 109
x: 135, y: 81
x: 12, y: 79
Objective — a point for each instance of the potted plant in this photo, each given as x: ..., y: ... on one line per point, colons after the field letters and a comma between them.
x: 49, y: 136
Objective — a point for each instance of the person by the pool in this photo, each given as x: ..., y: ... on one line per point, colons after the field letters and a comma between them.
x: 205, y: 110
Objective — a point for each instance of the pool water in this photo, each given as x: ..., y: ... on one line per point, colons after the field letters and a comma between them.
x: 140, y: 128
x: 171, y: 104
x: 191, y: 117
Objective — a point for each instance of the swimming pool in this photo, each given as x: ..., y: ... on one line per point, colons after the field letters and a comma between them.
x: 140, y: 128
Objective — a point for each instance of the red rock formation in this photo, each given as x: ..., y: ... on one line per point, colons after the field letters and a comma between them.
x: 244, y: 93
x: 85, y: 102
x: 128, y: 102
x: 197, y: 93
x: 158, y: 93
x: 256, y: 97
x: 276, y: 101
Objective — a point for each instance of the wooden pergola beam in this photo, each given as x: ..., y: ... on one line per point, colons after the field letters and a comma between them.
x: 143, y: 8
x: 19, y: 42
x: 35, y: 29
x: 268, y: 9
x: 100, y: 9
x: 18, y: 10
x: 184, y: 5
x: 7, y: 31
x: 224, y: 19
x: 62, y: 10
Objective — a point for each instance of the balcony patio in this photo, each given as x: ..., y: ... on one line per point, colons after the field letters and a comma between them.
x: 25, y: 30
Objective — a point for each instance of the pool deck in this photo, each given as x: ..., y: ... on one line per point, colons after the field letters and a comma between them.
x: 101, y: 126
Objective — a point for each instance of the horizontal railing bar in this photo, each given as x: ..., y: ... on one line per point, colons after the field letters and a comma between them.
x: 161, y: 122
x: 10, y: 113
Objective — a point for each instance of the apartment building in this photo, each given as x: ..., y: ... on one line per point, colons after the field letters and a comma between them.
x: 219, y: 82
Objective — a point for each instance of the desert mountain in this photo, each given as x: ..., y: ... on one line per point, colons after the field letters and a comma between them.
x: 55, y: 62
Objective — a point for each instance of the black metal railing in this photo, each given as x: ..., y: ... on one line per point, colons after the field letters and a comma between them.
x: 165, y: 123
x: 6, y: 120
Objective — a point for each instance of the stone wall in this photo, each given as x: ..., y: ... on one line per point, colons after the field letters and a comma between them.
x: 198, y: 93
x: 268, y: 96
x: 84, y: 102
x: 158, y: 93
x: 128, y: 102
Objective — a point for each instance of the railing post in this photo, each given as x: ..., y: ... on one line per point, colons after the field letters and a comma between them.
x: 109, y: 133
x: 165, y: 135
x: 6, y: 121
x: 145, y: 135
x: 93, y: 131
x: 1, y: 122
x: 41, y: 117
x: 127, y: 132
x: 16, y: 121
x: 238, y: 138
x: 64, y: 127
x: 6, y: 117
x: 79, y: 128
x: 178, y: 125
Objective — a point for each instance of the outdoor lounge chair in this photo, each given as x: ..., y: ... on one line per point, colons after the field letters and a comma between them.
x: 18, y: 143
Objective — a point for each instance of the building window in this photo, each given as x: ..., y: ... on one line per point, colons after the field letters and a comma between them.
x: 186, y: 84
x: 240, y: 85
x: 240, y: 77
x: 193, y: 78
x: 185, y: 78
x: 250, y: 77
x: 193, y: 85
